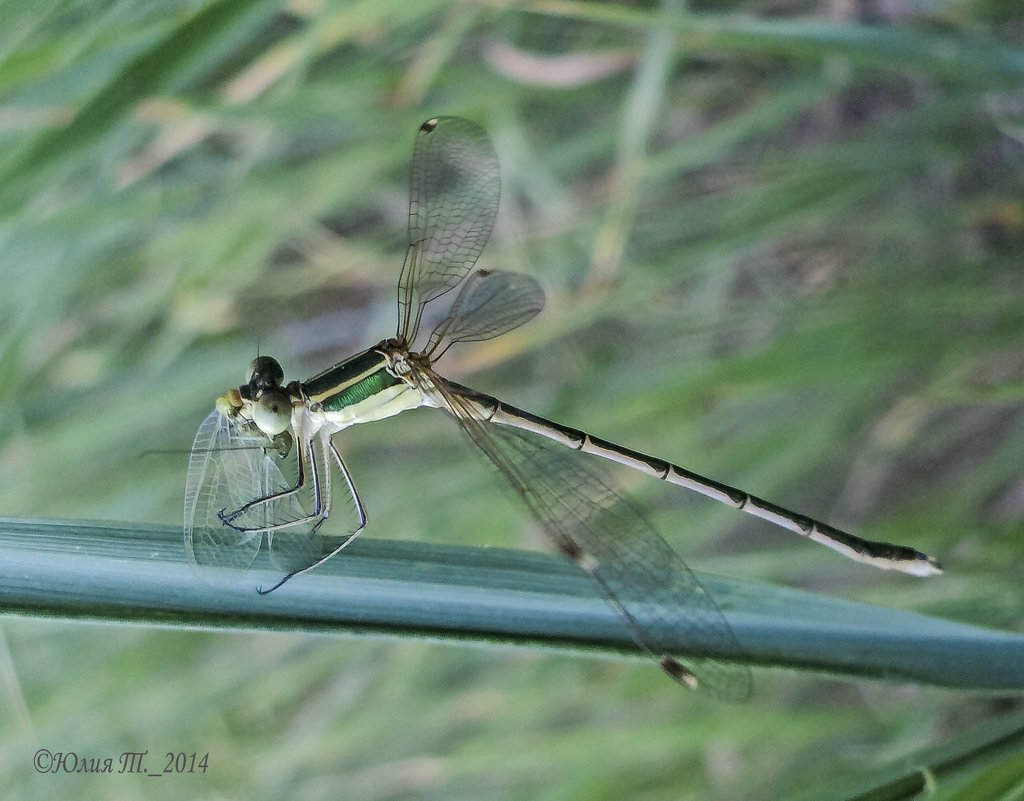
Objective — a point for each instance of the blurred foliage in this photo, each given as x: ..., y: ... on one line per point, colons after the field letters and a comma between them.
x: 781, y: 242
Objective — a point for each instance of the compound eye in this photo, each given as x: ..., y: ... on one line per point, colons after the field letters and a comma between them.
x: 265, y: 372
x: 272, y: 413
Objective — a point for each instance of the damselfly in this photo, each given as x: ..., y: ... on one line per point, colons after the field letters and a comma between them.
x: 263, y: 462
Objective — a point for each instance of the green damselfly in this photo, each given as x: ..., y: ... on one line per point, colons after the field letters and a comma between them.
x: 263, y: 461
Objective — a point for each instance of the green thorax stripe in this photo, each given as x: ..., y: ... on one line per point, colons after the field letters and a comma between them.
x: 350, y: 382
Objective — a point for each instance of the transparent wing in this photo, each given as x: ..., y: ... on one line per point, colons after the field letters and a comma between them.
x: 233, y: 464
x: 638, y: 573
x: 453, y: 203
x: 490, y: 303
x: 227, y: 468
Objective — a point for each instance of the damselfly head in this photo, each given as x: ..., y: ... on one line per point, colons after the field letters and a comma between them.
x: 272, y: 411
x: 265, y: 372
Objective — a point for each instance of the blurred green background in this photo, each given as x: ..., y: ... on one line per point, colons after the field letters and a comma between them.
x: 781, y: 243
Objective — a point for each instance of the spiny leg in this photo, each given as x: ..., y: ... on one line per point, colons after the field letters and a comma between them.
x: 360, y: 512
x: 302, y: 455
